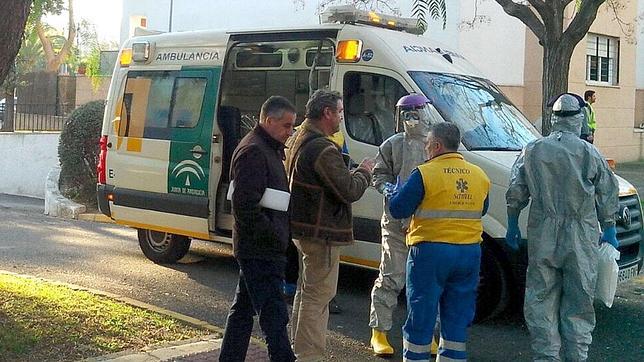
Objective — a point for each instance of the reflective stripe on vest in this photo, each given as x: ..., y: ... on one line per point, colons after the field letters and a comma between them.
x: 448, y: 214
x: 451, y: 210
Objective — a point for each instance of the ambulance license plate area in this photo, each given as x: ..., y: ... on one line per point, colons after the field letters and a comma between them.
x: 627, y: 273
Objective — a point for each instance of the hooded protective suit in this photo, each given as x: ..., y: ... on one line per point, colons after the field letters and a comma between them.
x: 571, y: 189
x: 397, y: 157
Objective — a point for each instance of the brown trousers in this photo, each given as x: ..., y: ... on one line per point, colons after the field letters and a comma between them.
x: 316, y: 286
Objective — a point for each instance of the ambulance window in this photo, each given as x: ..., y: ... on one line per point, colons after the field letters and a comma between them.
x: 326, y: 56
x: 158, y: 110
x: 146, y: 105
x: 369, y: 101
x: 250, y: 59
x: 188, y: 98
x: 155, y: 102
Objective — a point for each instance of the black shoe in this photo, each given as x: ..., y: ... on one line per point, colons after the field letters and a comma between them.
x: 334, y: 307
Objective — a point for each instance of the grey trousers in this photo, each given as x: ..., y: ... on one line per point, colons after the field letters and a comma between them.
x: 391, y: 279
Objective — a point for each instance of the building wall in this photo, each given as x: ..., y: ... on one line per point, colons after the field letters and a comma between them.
x: 28, y: 158
x: 533, y: 71
x: 86, y: 93
x: 639, y: 108
x: 640, y: 45
x: 639, y: 93
x: 615, y: 107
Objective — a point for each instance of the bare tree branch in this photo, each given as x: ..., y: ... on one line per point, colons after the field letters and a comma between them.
x: 476, y: 19
x: 44, y: 40
x: 545, y: 11
x: 627, y: 28
x: 71, y: 34
x: 582, y: 21
x: 55, y: 59
x: 526, y: 15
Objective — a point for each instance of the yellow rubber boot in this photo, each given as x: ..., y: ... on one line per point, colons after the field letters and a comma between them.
x: 380, y: 344
x: 434, y: 347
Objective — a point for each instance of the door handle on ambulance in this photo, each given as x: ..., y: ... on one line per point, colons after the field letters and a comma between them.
x: 197, y: 151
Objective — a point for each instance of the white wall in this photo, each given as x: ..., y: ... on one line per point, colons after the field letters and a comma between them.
x: 25, y: 160
x: 639, y: 61
x: 497, y: 48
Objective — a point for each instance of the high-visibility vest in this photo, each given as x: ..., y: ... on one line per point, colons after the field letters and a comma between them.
x: 338, y: 139
x: 451, y: 209
x: 590, y: 116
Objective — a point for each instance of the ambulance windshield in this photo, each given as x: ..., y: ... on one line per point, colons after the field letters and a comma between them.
x: 486, y: 118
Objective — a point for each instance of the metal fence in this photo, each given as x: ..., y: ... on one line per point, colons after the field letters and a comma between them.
x: 38, y: 117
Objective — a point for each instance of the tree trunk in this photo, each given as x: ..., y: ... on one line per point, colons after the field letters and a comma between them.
x: 8, y: 114
x: 556, y: 65
x: 55, y: 60
x: 13, y: 18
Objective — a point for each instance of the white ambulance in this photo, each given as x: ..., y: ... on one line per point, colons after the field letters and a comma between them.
x: 180, y: 102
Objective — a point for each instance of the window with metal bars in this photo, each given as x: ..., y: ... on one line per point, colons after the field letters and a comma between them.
x: 602, y: 59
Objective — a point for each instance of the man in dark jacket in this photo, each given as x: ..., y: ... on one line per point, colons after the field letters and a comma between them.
x: 260, y: 234
x: 323, y: 189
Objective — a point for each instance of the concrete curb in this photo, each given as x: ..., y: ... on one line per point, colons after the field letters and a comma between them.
x: 55, y: 203
x: 163, y: 352
x: 166, y: 352
x: 95, y: 218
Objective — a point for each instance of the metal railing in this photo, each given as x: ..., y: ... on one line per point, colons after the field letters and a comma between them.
x: 37, y: 117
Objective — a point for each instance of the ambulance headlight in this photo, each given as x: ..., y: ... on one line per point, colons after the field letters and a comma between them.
x: 348, y: 51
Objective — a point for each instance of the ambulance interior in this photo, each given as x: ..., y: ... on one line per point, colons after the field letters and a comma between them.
x: 253, y: 72
x: 294, y: 69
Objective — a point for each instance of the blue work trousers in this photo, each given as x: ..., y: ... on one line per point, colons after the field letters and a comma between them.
x: 445, y: 276
x: 259, y: 291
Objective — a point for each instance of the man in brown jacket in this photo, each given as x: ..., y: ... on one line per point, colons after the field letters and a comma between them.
x: 322, y: 190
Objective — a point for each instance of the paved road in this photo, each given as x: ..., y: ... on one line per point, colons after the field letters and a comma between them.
x: 107, y: 257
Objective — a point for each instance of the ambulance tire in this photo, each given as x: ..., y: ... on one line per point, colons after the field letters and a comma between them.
x: 162, y: 247
x: 494, y: 292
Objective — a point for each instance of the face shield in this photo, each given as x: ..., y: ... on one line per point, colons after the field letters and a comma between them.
x: 567, y: 113
x: 415, y: 122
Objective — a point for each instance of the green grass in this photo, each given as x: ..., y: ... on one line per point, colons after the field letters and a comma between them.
x: 42, y: 321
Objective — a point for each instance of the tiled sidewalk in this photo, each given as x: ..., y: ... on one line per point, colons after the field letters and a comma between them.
x: 255, y: 353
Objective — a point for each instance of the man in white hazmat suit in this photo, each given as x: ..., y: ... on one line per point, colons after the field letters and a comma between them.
x: 397, y: 157
x: 573, y: 192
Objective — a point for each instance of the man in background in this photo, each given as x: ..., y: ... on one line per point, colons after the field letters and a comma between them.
x: 588, y: 132
x: 260, y: 235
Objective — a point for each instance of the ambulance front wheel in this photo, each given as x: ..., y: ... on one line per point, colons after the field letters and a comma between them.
x: 162, y: 247
x: 494, y: 293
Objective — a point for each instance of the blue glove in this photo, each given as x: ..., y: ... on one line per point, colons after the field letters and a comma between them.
x: 513, y: 235
x: 610, y: 236
x: 390, y: 189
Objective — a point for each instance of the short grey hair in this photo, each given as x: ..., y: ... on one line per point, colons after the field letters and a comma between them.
x: 320, y: 99
x: 275, y: 106
x: 448, y: 134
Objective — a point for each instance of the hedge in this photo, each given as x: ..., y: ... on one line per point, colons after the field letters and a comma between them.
x: 78, y: 152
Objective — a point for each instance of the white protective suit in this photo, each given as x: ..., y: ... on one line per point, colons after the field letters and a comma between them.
x: 571, y: 189
x: 399, y: 155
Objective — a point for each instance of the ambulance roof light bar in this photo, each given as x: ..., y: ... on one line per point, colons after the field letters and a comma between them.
x: 347, y: 14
